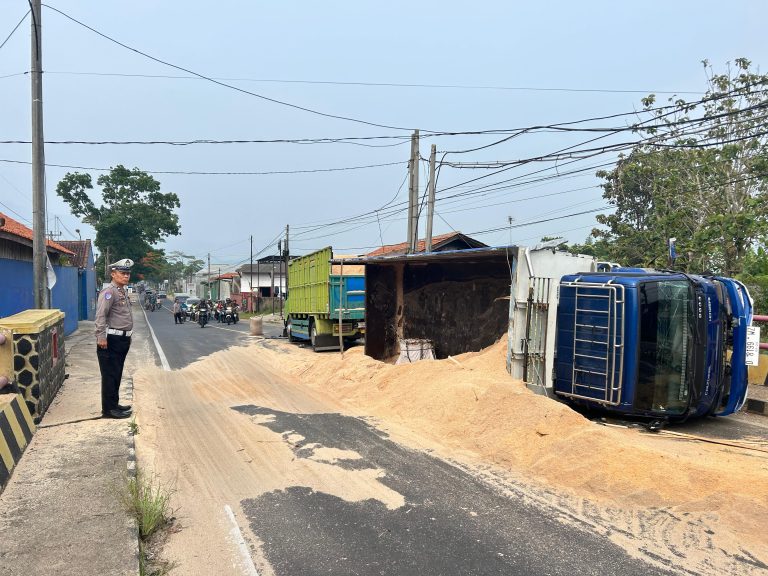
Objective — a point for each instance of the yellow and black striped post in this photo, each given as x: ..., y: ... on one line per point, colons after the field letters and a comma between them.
x: 16, y: 430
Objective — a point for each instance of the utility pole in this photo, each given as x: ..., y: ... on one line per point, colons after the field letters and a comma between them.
x: 413, y: 195
x: 285, y: 278
x: 218, y: 290
x: 209, y: 276
x: 431, y: 202
x: 250, y: 283
x: 280, y: 273
x: 258, y: 286
x: 39, y: 252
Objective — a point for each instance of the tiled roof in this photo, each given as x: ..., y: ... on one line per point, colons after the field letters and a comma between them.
x: 81, y: 248
x: 15, y: 228
x: 392, y: 249
x: 225, y: 276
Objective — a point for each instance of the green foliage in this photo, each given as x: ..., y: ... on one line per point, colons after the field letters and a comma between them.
x: 698, y: 176
x: 148, y: 504
x: 134, y: 215
x: 755, y: 276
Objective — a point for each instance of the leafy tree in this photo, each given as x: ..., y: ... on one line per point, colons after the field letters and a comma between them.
x: 755, y: 275
x: 182, y: 266
x: 699, y: 175
x: 134, y: 216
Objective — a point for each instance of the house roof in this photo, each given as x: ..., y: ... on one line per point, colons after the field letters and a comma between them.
x: 15, y: 228
x: 468, y: 255
x: 437, y: 243
x: 81, y: 248
x: 225, y: 276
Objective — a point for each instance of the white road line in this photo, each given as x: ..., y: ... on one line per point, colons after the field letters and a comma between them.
x: 163, y: 359
x: 245, y: 556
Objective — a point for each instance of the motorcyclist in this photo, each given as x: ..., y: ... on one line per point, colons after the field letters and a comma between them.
x: 202, y: 308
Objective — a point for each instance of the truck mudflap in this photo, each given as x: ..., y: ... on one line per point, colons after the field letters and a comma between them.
x: 741, y: 307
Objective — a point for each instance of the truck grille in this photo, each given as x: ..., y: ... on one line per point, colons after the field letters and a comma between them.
x: 598, y: 347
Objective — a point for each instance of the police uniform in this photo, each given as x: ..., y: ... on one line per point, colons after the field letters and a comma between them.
x: 114, y: 325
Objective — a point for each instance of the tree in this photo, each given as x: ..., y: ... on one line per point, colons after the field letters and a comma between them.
x: 699, y: 175
x: 755, y: 276
x: 134, y: 216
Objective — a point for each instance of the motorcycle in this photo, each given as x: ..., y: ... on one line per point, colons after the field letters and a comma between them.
x: 202, y: 317
x: 229, y: 315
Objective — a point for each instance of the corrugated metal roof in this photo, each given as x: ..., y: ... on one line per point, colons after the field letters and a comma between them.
x: 450, y: 255
x: 437, y: 241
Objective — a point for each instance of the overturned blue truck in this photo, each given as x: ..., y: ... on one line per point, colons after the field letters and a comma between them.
x: 658, y: 344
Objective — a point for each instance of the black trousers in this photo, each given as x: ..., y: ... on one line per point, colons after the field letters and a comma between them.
x: 111, y: 362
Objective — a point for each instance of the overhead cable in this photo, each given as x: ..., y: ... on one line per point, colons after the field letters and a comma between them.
x: 224, y: 84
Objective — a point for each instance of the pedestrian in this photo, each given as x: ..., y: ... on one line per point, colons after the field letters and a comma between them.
x: 176, y: 312
x: 114, y: 326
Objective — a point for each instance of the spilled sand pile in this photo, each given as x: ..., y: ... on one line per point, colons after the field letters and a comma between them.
x: 470, y: 408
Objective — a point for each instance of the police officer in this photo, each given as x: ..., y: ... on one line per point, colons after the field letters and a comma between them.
x: 114, y: 326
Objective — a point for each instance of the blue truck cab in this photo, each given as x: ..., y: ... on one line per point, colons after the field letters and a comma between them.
x: 656, y: 344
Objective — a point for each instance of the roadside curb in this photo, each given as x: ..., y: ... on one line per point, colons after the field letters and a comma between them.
x: 16, y: 431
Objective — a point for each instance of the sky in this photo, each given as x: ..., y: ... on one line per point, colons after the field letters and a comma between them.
x: 366, y: 72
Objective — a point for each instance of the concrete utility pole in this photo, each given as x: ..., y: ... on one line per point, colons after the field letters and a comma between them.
x: 285, y: 278
x: 250, y: 283
x: 431, y: 202
x: 413, y: 195
x: 39, y: 252
x: 209, y: 276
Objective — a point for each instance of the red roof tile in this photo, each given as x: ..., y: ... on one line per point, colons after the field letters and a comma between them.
x: 15, y: 228
x: 81, y: 248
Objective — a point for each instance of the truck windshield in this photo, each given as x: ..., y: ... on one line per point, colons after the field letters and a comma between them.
x: 666, y: 351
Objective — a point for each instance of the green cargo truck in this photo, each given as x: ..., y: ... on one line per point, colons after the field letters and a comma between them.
x: 323, y: 298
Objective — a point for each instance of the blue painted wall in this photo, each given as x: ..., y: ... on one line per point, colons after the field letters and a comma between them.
x: 87, y: 290
x: 64, y: 296
x: 16, y: 291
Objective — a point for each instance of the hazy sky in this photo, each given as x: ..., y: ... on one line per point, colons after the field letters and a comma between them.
x: 479, y: 66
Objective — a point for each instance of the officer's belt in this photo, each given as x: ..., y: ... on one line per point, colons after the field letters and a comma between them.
x: 119, y: 332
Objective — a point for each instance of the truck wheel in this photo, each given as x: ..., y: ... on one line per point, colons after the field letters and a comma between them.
x: 291, y: 337
x: 313, y: 335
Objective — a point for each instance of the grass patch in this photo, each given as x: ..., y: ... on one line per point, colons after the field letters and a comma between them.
x: 149, y: 504
x: 134, y: 427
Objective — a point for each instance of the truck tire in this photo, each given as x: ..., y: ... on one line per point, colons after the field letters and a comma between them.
x: 291, y: 337
x: 313, y: 335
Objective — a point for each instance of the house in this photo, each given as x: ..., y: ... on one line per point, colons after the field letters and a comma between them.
x: 441, y: 243
x: 265, y: 279
x: 17, y: 276
x: 86, y: 270
x: 223, y: 286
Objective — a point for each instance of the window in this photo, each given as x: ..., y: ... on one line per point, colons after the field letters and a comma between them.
x: 665, y: 362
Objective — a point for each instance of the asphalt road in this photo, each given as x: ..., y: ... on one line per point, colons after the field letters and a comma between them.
x: 452, y: 521
x: 185, y: 343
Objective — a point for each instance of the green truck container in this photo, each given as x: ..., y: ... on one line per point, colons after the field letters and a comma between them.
x: 323, y: 298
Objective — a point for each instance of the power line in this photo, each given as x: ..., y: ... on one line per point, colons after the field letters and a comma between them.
x: 12, y: 32
x: 381, y: 84
x: 523, y: 224
x: 205, y: 173
x: 224, y: 84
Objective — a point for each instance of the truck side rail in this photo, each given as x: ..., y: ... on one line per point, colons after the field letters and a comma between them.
x: 597, y: 364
